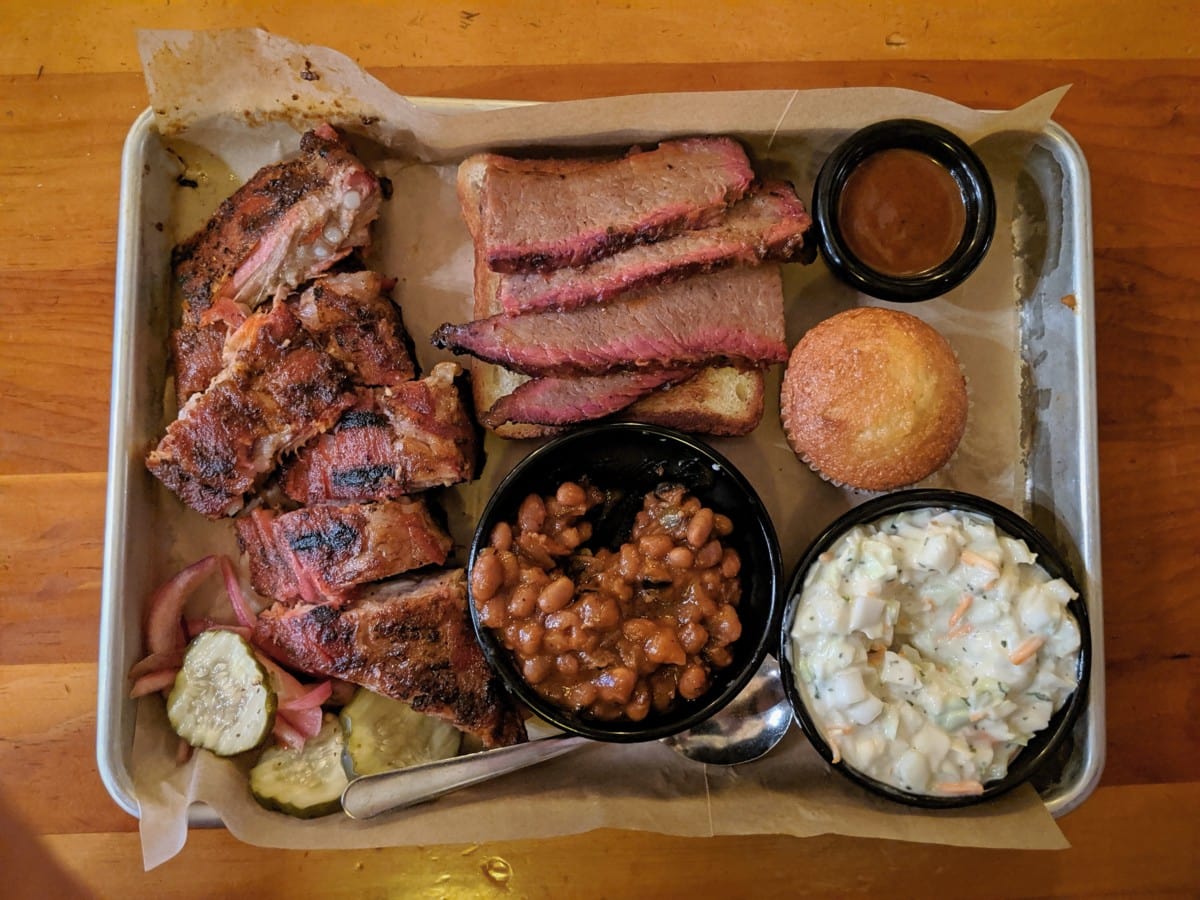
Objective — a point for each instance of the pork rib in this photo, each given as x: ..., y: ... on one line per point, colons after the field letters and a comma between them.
x: 769, y: 224
x: 540, y: 217
x: 398, y: 441
x: 319, y: 552
x: 288, y: 223
x: 196, y: 357
x: 349, y: 316
x: 276, y: 392
x: 733, y: 317
x: 409, y: 639
x: 291, y: 221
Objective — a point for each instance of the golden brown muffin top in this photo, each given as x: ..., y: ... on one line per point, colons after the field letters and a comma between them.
x: 874, y: 399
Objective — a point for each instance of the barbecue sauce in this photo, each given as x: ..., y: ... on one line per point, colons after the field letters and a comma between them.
x: 901, y: 212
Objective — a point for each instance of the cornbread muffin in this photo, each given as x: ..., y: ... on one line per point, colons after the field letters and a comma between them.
x: 873, y: 399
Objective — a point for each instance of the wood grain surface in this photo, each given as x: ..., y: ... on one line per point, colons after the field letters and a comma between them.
x: 69, y: 90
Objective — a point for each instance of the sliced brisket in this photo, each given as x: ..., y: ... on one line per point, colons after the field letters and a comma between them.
x: 768, y: 224
x: 410, y: 639
x: 405, y: 439
x: 276, y: 392
x: 536, y: 218
x: 734, y: 316
x: 566, y: 401
x: 319, y: 552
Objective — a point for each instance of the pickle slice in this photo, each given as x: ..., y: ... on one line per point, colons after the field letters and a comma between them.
x: 222, y: 699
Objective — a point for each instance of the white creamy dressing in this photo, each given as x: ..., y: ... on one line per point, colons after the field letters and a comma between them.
x: 929, y: 647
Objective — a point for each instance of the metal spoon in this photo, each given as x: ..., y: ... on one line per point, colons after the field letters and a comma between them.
x: 371, y: 795
x: 753, y: 722
x: 745, y: 730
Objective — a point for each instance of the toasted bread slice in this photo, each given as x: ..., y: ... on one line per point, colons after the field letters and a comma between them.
x: 721, y: 400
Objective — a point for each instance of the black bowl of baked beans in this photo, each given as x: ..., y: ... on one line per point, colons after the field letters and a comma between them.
x: 624, y: 581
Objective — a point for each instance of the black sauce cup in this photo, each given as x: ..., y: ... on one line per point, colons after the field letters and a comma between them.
x: 1043, y: 745
x: 633, y: 460
x: 974, y: 185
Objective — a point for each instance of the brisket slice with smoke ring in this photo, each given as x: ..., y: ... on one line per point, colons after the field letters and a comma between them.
x: 732, y: 317
x: 318, y: 553
x: 769, y: 224
x: 409, y: 639
x: 535, y: 218
x: 566, y: 401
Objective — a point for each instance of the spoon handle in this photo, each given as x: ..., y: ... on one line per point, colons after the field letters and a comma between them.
x: 371, y: 795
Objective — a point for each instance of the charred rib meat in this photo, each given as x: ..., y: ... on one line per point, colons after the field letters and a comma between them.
x: 318, y: 553
x: 276, y: 392
x: 409, y: 639
x: 288, y: 223
x: 393, y: 442
x: 349, y: 316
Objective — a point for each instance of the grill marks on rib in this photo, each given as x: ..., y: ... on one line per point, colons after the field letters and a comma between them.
x: 276, y: 392
x: 349, y: 316
x: 409, y: 639
x: 288, y: 375
x: 395, y: 441
x: 290, y: 222
x: 319, y: 552
x: 273, y: 232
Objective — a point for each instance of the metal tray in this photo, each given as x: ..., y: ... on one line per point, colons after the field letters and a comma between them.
x: 1052, y: 257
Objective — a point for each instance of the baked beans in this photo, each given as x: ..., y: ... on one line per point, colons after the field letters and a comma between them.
x: 612, y: 634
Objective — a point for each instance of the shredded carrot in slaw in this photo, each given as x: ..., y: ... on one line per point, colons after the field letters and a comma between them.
x: 1026, y: 649
x: 961, y: 610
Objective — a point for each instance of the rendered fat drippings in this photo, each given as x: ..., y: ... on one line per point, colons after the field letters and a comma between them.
x: 930, y: 647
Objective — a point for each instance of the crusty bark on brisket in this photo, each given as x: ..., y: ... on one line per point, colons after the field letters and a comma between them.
x: 768, y: 224
x: 394, y: 441
x: 275, y: 393
x: 730, y: 317
x: 534, y: 218
x: 410, y: 639
x: 319, y: 552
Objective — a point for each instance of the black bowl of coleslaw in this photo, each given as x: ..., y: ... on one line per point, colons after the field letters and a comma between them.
x: 829, y: 570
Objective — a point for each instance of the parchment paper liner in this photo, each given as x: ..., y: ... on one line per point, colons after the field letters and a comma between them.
x: 237, y: 94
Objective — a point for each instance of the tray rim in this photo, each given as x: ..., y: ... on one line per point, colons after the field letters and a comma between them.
x: 112, y: 703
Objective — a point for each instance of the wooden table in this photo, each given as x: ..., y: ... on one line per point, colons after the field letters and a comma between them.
x: 69, y: 89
